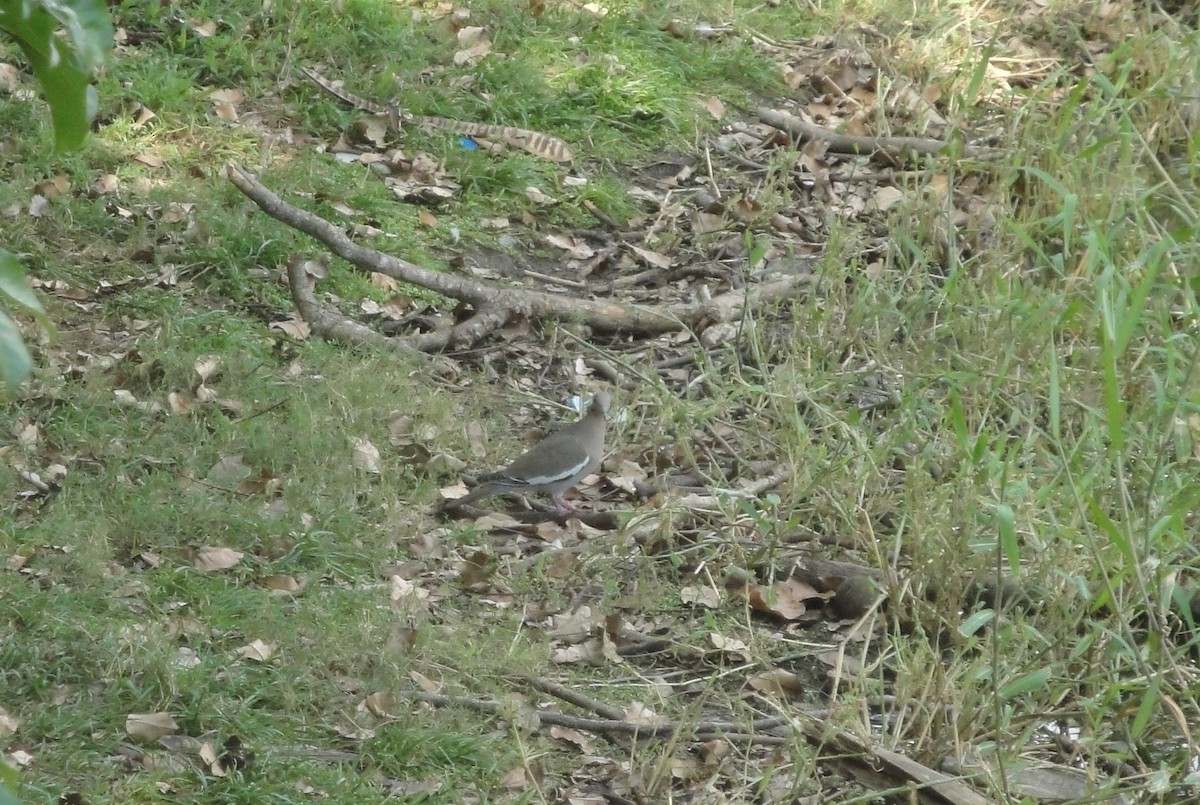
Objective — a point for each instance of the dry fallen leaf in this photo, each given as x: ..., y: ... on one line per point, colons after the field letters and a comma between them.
x: 474, y: 53
x: 638, y: 713
x: 295, y: 328
x: 425, y: 683
x: 228, y: 472
x: 785, y: 599
x: 282, y: 584
x: 539, y: 197
x: 365, y: 456
x: 654, y: 259
x: 204, y: 28
x: 257, y: 650
x: 712, y: 104
x: 8, y: 724
x: 20, y: 758
x: 731, y: 645
x: 225, y: 111
x: 777, y: 682
x: 210, y: 559
x: 380, y: 704
x: 206, y: 366
x: 208, y: 753
x: 706, y: 596
x: 105, y: 184
x: 150, y: 726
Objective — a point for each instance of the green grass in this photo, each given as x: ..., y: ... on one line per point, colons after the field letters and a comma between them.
x: 1012, y: 390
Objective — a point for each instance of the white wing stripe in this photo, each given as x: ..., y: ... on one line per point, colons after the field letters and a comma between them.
x: 558, y: 477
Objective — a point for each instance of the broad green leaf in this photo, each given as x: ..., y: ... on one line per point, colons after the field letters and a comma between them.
x: 1024, y: 684
x: 1007, y: 521
x: 976, y: 621
x: 8, y: 781
x: 1146, y: 708
x: 1055, y: 394
x: 62, y: 65
x: 14, y: 286
x: 15, y: 363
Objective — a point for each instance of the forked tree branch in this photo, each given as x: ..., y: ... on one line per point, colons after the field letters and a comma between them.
x: 493, y: 306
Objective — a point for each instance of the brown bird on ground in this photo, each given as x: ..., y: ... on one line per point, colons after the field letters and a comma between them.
x: 555, y: 464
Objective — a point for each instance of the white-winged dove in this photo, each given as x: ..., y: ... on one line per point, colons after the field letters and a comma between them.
x: 555, y: 464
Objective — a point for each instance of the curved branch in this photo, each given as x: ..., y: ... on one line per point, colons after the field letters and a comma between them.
x: 333, y: 326
x: 494, y: 306
x: 856, y: 144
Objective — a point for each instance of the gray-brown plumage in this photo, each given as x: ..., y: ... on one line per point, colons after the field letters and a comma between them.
x: 555, y: 464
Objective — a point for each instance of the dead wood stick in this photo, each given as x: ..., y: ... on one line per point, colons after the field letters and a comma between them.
x: 750, y: 489
x: 874, y: 765
x: 603, y: 315
x: 331, y: 325
x: 495, y: 305
x: 609, y: 726
x: 855, y: 144
x: 575, y: 697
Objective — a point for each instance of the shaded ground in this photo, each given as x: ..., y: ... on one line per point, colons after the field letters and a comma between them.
x: 242, y: 520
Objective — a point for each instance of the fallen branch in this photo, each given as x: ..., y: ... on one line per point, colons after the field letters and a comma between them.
x: 616, y: 726
x: 872, y: 765
x: 493, y: 306
x: 856, y: 144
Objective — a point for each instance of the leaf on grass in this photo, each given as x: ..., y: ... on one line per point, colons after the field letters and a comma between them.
x: 538, y: 197
x: 591, y: 652
x: 228, y: 472
x: 655, y: 259
x: 144, y: 116
x: 10, y: 78
x: 574, y: 737
x: 705, y: 596
x: 298, y: 329
x: 777, y: 682
x: 371, y: 130
x: 885, y: 198
x: 203, y: 28
x: 425, y: 683
x: 380, y: 704
x: 639, y: 713
x: 576, y: 248
x: 8, y: 724
x: 257, y: 650
x: 20, y: 758
x: 281, y: 584
x: 712, y: 104
x: 405, y: 591
x: 212, y: 559
x: 206, y: 366
x: 38, y: 206
x: 365, y: 456
x: 730, y: 645
x: 150, y: 726
x: 228, y: 95
x: 208, y: 753
x: 474, y: 45
x: 185, y: 658
x: 785, y: 599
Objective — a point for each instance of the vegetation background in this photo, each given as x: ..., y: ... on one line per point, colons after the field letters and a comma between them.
x: 217, y: 588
